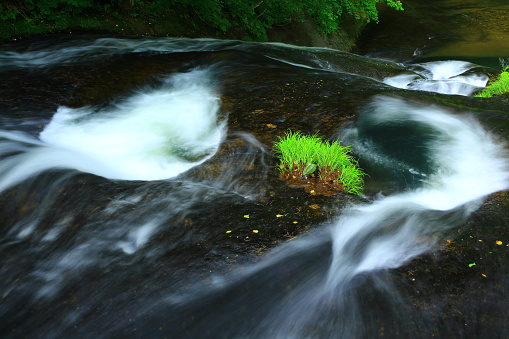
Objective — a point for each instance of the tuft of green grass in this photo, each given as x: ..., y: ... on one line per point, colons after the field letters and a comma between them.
x: 309, y: 154
x: 498, y: 87
x: 296, y: 149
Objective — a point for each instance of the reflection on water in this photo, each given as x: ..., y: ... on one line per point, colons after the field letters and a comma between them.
x: 440, y: 29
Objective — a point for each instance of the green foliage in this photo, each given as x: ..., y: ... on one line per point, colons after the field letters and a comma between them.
x: 43, y: 10
x: 7, y: 13
x: 498, y: 87
x: 254, y: 17
x: 296, y: 150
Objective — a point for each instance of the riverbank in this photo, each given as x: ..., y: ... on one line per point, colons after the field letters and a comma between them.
x: 180, y: 24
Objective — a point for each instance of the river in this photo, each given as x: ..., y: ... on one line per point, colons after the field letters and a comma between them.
x: 139, y: 195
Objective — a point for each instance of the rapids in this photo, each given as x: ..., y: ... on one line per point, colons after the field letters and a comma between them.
x: 155, y: 134
x: 447, y: 77
x: 138, y: 216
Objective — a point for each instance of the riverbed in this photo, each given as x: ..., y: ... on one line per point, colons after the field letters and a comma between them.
x: 140, y: 196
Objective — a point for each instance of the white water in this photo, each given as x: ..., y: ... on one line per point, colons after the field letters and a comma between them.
x: 446, y: 77
x: 469, y: 164
x: 155, y: 134
x: 42, y: 55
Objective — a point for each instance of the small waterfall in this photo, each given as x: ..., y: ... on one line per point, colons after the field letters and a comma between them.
x: 446, y: 77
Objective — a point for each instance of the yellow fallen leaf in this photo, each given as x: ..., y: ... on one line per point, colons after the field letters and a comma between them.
x: 279, y: 215
x: 246, y: 216
x: 295, y: 222
x: 255, y: 231
x: 271, y: 126
x: 498, y: 242
x: 228, y: 231
x: 484, y: 275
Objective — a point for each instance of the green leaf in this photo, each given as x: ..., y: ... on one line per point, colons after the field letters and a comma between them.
x: 309, y: 169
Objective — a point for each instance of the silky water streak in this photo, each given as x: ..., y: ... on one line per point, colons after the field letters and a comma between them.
x: 318, y: 286
x: 154, y: 134
x: 468, y: 163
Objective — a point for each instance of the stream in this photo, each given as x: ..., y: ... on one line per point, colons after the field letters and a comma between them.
x: 139, y: 196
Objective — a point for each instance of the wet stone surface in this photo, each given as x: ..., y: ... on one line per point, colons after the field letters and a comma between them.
x: 233, y: 208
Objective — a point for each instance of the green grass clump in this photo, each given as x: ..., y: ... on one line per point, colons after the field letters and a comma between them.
x: 499, y: 86
x: 307, y: 154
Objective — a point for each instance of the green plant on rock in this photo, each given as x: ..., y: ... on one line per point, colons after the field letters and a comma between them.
x: 304, y: 155
x: 500, y: 85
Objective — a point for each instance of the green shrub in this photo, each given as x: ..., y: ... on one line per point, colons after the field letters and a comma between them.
x: 254, y: 17
x: 310, y: 155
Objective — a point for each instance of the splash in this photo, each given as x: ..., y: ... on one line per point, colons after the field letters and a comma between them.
x: 155, y: 134
x: 468, y: 164
x: 446, y: 77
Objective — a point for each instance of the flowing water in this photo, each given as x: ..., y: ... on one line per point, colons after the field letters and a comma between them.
x: 447, y: 77
x: 95, y: 201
